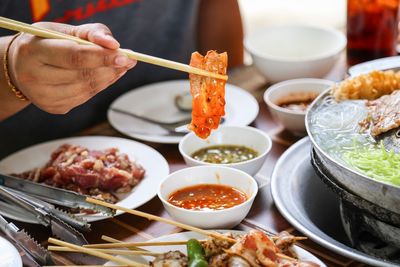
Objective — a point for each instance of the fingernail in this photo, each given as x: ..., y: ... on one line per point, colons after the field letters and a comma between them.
x: 133, y: 64
x: 110, y: 38
x: 123, y: 61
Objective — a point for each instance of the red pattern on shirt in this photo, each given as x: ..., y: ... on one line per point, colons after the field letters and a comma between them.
x: 41, y: 8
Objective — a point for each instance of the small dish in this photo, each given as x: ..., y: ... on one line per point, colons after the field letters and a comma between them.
x: 9, y: 256
x: 156, y: 101
x: 282, y: 52
x: 208, y: 219
x: 293, y: 120
x: 247, y: 136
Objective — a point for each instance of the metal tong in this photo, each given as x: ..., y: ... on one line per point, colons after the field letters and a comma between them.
x: 48, y: 216
x: 35, y: 251
x: 52, y: 195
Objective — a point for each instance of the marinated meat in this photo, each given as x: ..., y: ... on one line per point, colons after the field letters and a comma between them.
x: 208, y: 94
x: 284, y: 242
x: 257, y: 249
x: 254, y: 249
x: 383, y: 114
x: 90, y: 172
x: 214, y: 246
x: 170, y: 259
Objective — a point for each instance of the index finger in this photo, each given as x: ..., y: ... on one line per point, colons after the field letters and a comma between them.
x: 70, y: 55
x: 95, y: 32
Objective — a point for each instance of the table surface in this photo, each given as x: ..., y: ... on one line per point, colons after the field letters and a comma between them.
x: 263, y: 215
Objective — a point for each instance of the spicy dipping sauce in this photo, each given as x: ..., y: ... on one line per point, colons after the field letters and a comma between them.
x: 298, y: 102
x: 207, y: 197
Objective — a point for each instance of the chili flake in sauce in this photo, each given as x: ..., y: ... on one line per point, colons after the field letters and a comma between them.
x: 225, y: 154
x: 207, y: 197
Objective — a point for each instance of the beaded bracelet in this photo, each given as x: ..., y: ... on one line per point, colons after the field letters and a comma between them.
x: 12, y: 87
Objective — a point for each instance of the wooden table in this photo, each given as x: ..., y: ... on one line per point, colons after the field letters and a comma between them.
x: 263, y: 214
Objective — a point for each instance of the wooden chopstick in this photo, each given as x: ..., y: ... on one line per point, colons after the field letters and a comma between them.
x: 160, y: 219
x: 108, y: 251
x: 47, y: 33
x: 96, y: 253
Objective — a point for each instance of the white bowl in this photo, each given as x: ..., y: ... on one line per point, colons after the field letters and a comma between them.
x: 282, y: 52
x: 229, y: 135
x: 293, y: 121
x: 217, y: 219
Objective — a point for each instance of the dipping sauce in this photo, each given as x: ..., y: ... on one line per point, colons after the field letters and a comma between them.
x: 224, y: 154
x: 207, y: 197
x: 298, y: 102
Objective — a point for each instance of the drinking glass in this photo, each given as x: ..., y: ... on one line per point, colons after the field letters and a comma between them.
x: 372, y: 27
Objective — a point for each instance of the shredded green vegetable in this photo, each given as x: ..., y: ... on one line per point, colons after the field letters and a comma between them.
x: 375, y: 162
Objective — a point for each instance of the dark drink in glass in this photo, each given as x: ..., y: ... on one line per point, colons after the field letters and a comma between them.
x: 371, y: 29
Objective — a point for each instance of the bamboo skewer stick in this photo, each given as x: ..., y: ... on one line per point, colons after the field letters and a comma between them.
x: 84, y: 266
x: 108, y: 251
x: 296, y: 238
x: 137, y: 244
x: 113, y: 240
x: 96, y: 253
x: 46, y: 33
x: 160, y: 219
x: 148, y: 243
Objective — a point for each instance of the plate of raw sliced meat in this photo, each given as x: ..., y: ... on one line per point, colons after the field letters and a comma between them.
x: 113, y: 169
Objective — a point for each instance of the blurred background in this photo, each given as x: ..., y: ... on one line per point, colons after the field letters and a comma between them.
x: 263, y: 12
x: 257, y: 13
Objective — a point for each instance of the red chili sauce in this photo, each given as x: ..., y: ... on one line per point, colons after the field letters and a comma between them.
x: 207, y: 197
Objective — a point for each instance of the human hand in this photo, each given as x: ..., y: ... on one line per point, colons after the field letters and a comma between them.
x: 58, y: 75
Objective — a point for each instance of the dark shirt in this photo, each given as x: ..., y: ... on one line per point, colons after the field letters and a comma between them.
x: 162, y: 28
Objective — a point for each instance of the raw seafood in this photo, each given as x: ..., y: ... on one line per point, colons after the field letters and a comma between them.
x: 90, y: 172
x: 367, y: 86
x: 208, y: 94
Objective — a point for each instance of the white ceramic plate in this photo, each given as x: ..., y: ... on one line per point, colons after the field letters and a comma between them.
x: 301, y: 253
x: 156, y: 101
x: 153, y: 162
x: 9, y: 256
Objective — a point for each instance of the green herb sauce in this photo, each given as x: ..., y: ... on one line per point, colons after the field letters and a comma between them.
x: 225, y: 154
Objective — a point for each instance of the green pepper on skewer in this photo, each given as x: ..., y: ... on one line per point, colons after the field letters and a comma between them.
x: 196, y: 254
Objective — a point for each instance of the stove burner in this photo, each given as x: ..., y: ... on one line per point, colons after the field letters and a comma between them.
x: 369, y: 227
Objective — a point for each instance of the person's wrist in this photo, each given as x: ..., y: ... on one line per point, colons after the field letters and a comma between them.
x: 8, y: 73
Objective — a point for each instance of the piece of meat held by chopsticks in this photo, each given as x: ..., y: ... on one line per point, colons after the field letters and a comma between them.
x: 208, y: 94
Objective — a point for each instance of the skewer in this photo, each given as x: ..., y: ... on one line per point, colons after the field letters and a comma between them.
x: 137, y: 244
x: 108, y: 251
x: 115, y: 241
x: 96, y: 253
x: 84, y: 266
x: 160, y: 219
x: 150, y: 243
x: 286, y: 257
x: 46, y: 33
x: 296, y: 238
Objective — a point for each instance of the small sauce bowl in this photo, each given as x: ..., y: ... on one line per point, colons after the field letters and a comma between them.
x: 293, y: 120
x: 209, y: 219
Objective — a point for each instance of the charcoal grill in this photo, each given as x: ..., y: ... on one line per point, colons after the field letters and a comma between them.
x: 369, y: 227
